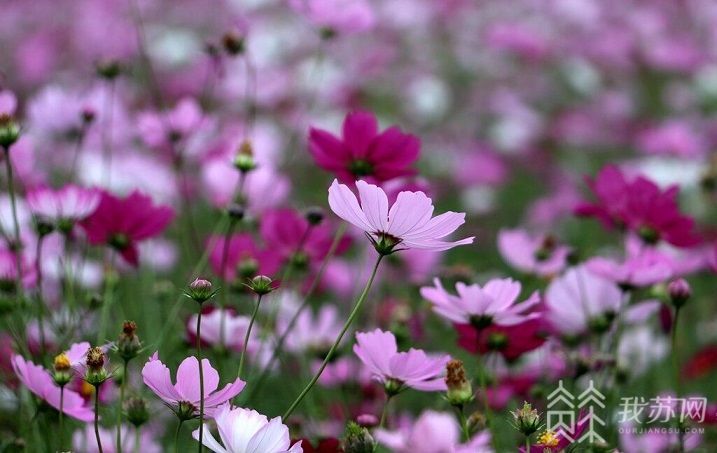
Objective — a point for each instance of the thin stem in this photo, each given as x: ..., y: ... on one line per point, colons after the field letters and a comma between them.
x: 62, y: 418
x: 304, y: 304
x: 40, y: 302
x: 248, y: 333
x: 329, y: 355
x: 137, y: 438
x: 384, y: 412
x: 97, y: 419
x: 176, y: 435
x: 676, y: 372
x: 223, y: 270
x: 107, y: 134
x: 527, y: 444
x: 121, y: 404
x: 15, y: 223
x: 107, y: 302
x: 201, y: 380
x: 464, y: 423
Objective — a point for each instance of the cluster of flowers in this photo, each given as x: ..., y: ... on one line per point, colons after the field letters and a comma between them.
x: 141, y: 149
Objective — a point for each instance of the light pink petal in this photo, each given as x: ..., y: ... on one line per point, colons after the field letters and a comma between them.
x: 345, y: 205
x: 188, y: 379
x: 156, y: 376
x: 411, y: 211
x: 374, y: 204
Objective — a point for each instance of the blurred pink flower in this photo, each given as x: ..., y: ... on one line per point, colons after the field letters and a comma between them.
x: 415, y: 369
x: 640, y: 206
x: 643, y: 266
x: 363, y: 152
x: 433, y: 432
x: 68, y: 204
x: 244, y: 258
x: 161, y: 129
x: 8, y: 103
x: 409, y: 223
x: 39, y: 382
x: 122, y: 222
x: 245, y: 430
x: 533, y: 254
x: 186, y: 391
x: 674, y: 137
x: 578, y: 299
x: 84, y: 439
x: 342, y: 16
x: 494, y: 303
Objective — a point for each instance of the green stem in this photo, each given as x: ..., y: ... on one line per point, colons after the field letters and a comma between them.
x: 15, y: 223
x: 62, y: 418
x: 121, y: 405
x: 278, y: 349
x: 527, y: 444
x: 107, y: 302
x: 676, y: 373
x: 97, y: 419
x: 223, y: 295
x: 137, y: 438
x: 335, y: 346
x: 176, y: 435
x: 40, y: 302
x: 384, y: 412
x: 201, y: 380
x: 246, y: 336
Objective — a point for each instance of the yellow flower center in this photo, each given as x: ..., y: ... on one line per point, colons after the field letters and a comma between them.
x: 548, y: 439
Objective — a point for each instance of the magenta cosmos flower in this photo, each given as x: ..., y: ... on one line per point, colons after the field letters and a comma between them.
x: 409, y: 223
x: 363, y: 152
x: 494, y: 303
x: 399, y: 370
x: 39, y: 382
x: 241, y: 257
x: 643, y: 266
x: 184, y: 396
x: 640, y: 206
x: 64, y: 206
x: 247, y: 431
x: 122, y: 222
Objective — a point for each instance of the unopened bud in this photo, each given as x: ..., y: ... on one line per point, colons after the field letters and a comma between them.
x: 526, y: 419
x: 96, y: 373
x: 136, y: 411
x: 261, y: 284
x: 357, y: 439
x: 459, y: 388
x: 679, y: 291
x: 128, y: 346
x: 200, y: 290
x: 9, y: 131
x: 236, y: 212
x: 62, y: 374
x: 88, y: 115
x: 108, y: 69
x: 314, y: 215
x: 244, y: 160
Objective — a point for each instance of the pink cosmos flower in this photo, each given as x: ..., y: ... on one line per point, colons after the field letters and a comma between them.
x: 343, y: 16
x: 433, y: 432
x: 184, y: 396
x: 39, y: 382
x: 674, y: 137
x: 533, y: 254
x: 247, y: 431
x: 122, y: 222
x: 84, y: 439
x: 244, y: 257
x: 234, y: 330
x: 643, y: 266
x: 8, y: 103
x: 162, y: 129
x: 579, y: 300
x: 363, y: 152
x: 69, y: 204
x: 414, y: 368
x: 409, y: 223
x: 640, y: 206
x: 494, y: 303
x: 312, y: 332
x: 510, y: 341
x: 288, y: 234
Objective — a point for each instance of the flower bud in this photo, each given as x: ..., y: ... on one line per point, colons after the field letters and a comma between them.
x: 62, y: 370
x: 200, y: 290
x: 679, y: 291
x: 244, y: 160
x: 357, y: 439
x: 9, y: 131
x: 526, y: 419
x: 96, y: 373
x: 314, y: 215
x: 393, y: 387
x: 235, y: 212
x: 128, y: 346
x: 136, y: 411
x: 108, y: 69
x: 88, y: 115
x: 261, y: 284
x: 233, y: 43
x: 459, y: 388
x: 476, y: 422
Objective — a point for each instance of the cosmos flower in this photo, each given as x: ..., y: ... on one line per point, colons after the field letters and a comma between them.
x: 409, y: 224
x: 533, y: 254
x: 640, y: 206
x: 241, y: 257
x: 312, y: 332
x: 433, y: 432
x: 234, y: 326
x: 39, y: 382
x: 579, y: 300
x: 122, y: 222
x: 247, y: 431
x: 84, y: 439
x: 67, y: 205
x: 510, y: 341
x: 397, y: 370
x: 363, y: 152
x: 643, y: 266
x: 184, y: 397
x: 494, y: 303
x: 338, y: 16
